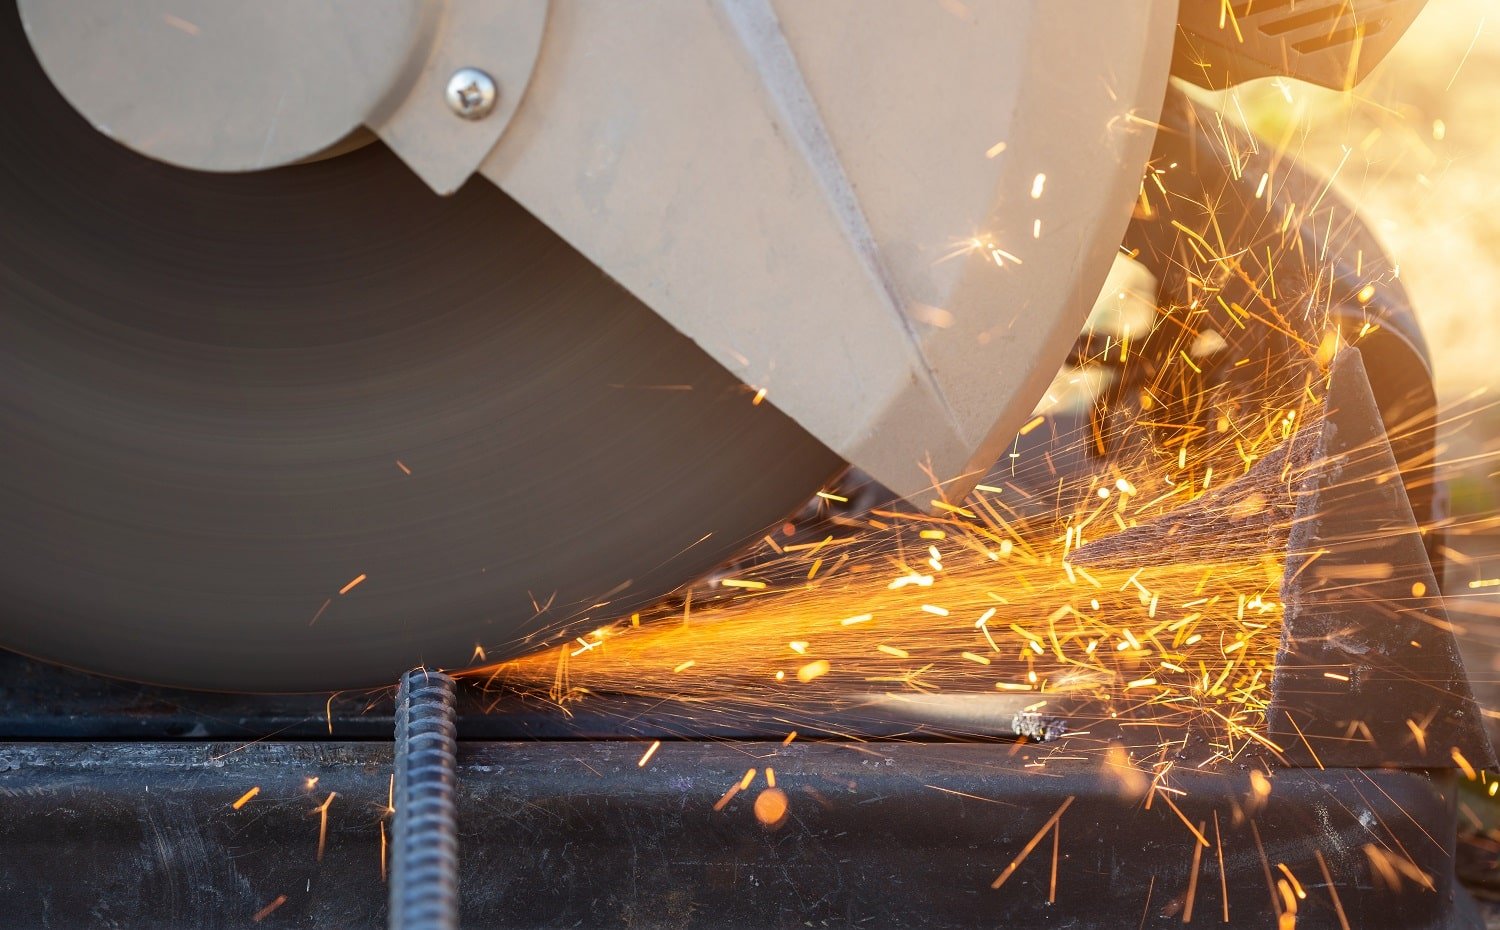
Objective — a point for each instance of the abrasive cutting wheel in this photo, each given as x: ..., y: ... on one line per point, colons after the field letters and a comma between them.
x: 225, y: 399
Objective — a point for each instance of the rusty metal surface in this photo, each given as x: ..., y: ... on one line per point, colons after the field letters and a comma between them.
x: 578, y: 834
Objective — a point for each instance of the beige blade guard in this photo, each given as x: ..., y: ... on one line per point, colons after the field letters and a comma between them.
x: 892, y: 216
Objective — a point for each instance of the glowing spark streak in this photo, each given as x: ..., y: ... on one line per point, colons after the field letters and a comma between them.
x: 245, y: 798
x: 402, y: 465
x: 975, y: 657
x: 1038, y: 183
x: 1030, y: 845
x: 1226, y: 13
x: 351, y: 585
x: 944, y: 505
x: 1338, y: 906
x: 789, y: 737
x: 935, y: 610
x: 720, y: 804
x: 1296, y: 885
x: 851, y: 621
x: 739, y: 583
x: 811, y: 548
x: 322, y: 811
x: 983, y: 625
x: 1464, y: 59
x: 1197, y: 834
x: 646, y: 756
x: 1052, y: 885
x: 748, y: 779
x: 921, y: 581
x: 684, y: 666
x: 1025, y: 633
x: 812, y: 670
x: 1223, y: 878
x: 965, y: 794
x: 1146, y: 909
x: 1032, y: 424
x: 760, y: 395
x: 829, y: 496
x: 266, y: 911
x: 1192, y: 892
x: 994, y: 150
x: 903, y: 654
x: 1418, y: 733
x: 1463, y: 764
x: 1288, y: 919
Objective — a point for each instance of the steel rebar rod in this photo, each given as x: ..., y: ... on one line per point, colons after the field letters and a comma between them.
x: 424, y: 842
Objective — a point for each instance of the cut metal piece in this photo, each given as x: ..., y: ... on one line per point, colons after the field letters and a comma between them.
x: 304, y: 429
x: 1369, y: 672
x: 1245, y: 518
x: 1334, y: 43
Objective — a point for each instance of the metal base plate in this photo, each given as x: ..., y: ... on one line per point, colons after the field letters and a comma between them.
x: 569, y: 834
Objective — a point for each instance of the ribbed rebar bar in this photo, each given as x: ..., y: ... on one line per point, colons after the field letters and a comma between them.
x: 424, y: 840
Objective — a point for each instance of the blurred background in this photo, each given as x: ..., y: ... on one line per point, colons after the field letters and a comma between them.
x: 1422, y: 137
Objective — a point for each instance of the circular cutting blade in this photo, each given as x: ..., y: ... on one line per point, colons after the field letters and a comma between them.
x: 301, y: 429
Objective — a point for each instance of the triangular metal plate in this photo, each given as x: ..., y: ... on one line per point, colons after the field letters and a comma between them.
x: 1369, y: 672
